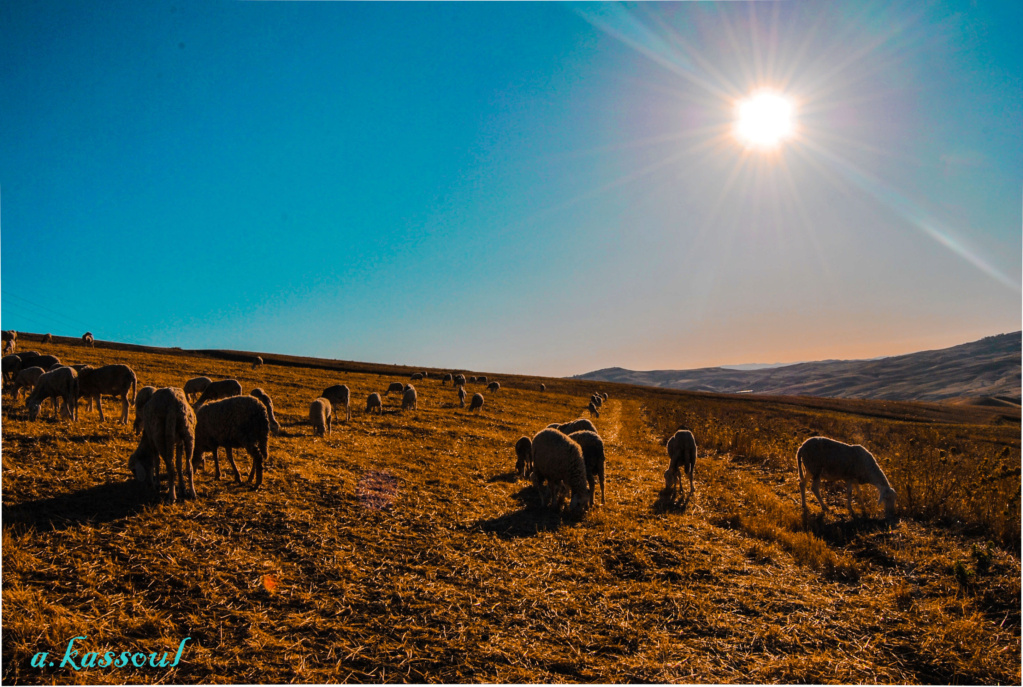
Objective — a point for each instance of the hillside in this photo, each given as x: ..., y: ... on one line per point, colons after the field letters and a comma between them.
x: 403, y: 547
x: 986, y: 372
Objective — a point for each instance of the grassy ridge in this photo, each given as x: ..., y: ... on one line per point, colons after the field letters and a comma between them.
x: 403, y: 548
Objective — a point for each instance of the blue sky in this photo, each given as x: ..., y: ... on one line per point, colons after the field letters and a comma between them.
x: 543, y: 188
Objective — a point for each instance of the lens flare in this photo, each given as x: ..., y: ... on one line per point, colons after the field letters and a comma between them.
x: 764, y: 119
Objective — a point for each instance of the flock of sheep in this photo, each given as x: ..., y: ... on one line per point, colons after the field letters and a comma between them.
x: 181, y: 425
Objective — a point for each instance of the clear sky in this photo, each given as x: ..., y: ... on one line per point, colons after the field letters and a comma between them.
x: 541, y: 188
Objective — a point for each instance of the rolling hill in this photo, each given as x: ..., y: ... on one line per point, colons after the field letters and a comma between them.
x: 985, y: 372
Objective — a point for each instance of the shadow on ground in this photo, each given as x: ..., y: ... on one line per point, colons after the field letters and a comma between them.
x: 102, y: 503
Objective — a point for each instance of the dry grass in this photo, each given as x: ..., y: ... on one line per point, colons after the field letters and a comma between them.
x: 402, y: 548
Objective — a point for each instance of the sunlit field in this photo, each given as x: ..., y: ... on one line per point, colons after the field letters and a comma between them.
x: 403, y: 547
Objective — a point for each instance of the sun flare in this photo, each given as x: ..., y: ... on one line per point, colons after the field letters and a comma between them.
x: 764, y: 119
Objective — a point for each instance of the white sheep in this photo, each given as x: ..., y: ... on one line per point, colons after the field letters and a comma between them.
x: 112, y: 380
x: 168, y: 431
x: 195, y: 386
x: 472, y: 380
x: 461, y: 396
x: 409, y: 399
x: 593, y: 456
x: 559, y: 460
x: 593, y: 410
x: 524, y: 456
x: 257, y: 362
x: 88, y: 340
x: 339, y: 397
x: 446, y: 378
x: 822, y: 458
x: 574, y: 426
x: 61, y: 383
x: 320, y: 414
x: 234, y: 422
x: 681, y: 448
x: 10, y: 339
x: 481, y: 379
x: 493, y: 387
x: 275, y: 427
x: 225, y: 388
x: 459, y: 380
x: 395, y: 386
x: 141, y: 399
x: 476, y: 403
x: 26, y: 379
x: 374, y: 402
x: 416, y: 376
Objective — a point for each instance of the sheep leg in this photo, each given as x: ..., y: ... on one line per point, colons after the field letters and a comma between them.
x: 802, y: 498
x: 690, y: 469
x: 815, y: 487
x: 99, y: 405
x: 601, y: 475
x: 230, y: 458
x: 168, y: 459
x: 848, y: 493
x: 124, y: 408
x: 187, y: 448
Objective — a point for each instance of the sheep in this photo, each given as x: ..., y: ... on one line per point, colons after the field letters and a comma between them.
x: 395, y: 386
x: 275, y: 427
x: 9, y: 347
x: 44, y: 361
x: 88, y: 340
x: 195, y: 386
x: 234, y: 422
x: 828, y: 459
x: 472, y: 380
x: 11, y: 365
x: 168, y: 431
x: 461, y: 396
x: 605, y: 395
x: 481, y: 379
x: 61, y: 383
x: 374, y: 403
x: 476, y: 403
x: 557, y: 459
x: 681, y: 447
x: 320, y: 416
x: 225, y: 388
x: 26, y: 379
x: 597, y: 400
x: 409, y: 399
x: 257, y: 362
x: 573, y: 426
x: 426, y: 375
x: 543, y: 387
x: 141, y: 399
x: 48, y: 339
x: 493, y: 386
x: 446, y: 378
x: 593, y: 457
x: 338, y: 395
x: 10, y: 339
x: 593, y: 410
x: 524, y: 456
x: 113, y: 380
x: 416, y: 376
x: 459, y: 380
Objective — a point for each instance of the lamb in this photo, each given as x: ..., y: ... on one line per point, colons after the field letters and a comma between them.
x: 141, y: 399
x: 446, y: 378
x: 225, y: 388
x: 275, y: 427
x: 320, y: 416
x: 574, y: 426
x: 257, y: 362
x: 88, y: 340
x: 524, y: 456
x: 459, y: 380
x: 338, y: 395
x: 26, y: 379
x: 374, y: 403
x: 681, y: 456
x: 395, y: 386
x: 234, y: 422
x: 557, y: 459
x: 61, y: 383
x: 593, y: 410
x: 828, y: 459
x: 168, y: 431
x: 493, y: 386
x: 476, y: 403
x: 195, y: 386
x: 113, y: 380
x: 593, y: 457
x: 461, y: 396
x: 409, y: 400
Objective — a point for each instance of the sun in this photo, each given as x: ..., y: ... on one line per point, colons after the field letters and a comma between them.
x: 765, y: 119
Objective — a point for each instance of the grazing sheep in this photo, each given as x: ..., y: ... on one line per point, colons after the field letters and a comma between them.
x: 524, y: 456
x: 593, y: 456
x: 62, y: 383
x: 828, y: 459
x: 88, y: 340
x: 44, y: 361
x: 461, y: 396
x: 476, y: 403
x: 234, y: 422
x: 472, y: 380
x: 275, y: 427
x: 338, y: 395
x: 168, y: 431
x: 374, y: 402
x: 112, y: 380
x: 574, y: 426
x: 557, y: 459
x: 408, y: 400
x: 320, y: 414
x: 543, y: 387
x: 10, y: 347
x: 395, y: 386
x: 416, y: 376
x: 605, y: 396
x: 257, y: 362
x: 141, y: 399
x: 681, y: 456
x: 459, y: 380
x: 493, y: 386
x: 26, y: 379
x: 481, y: 379
x: 10, y: 339
x: 195, y: 386
x: 593, y: 410
x: 11, y: 365
x: 426, y: 375
x: 48, y: 339
x: 225, y: 388
x: 446, y: 378
x: 597, y: 400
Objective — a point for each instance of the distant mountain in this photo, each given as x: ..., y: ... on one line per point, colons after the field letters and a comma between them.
x: 986, y: 371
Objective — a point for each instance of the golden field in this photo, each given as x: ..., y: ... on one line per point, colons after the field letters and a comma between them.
x: 402, y: 547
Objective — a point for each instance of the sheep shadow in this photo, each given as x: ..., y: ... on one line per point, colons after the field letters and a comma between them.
x: 528, y: 521
x: 99, y: 504
x: 845, y: 531
x: 671, y: 501
x: 511, y: 477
